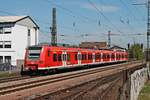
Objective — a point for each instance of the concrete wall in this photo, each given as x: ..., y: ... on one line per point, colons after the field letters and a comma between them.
x: 138, y: 79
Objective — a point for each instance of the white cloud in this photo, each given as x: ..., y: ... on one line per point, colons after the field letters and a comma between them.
x: 103, y: 8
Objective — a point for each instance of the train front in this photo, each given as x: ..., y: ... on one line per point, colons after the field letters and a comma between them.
x: 33, y: 59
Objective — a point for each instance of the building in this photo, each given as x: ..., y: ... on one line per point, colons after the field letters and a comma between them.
x: 16, y: 33
x: 93, y: 45
x: 115, y: 47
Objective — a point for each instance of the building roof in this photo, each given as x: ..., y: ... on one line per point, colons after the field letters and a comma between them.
x: 98, y: 45
x: 10, y: 18
x: 117, y: 48
x: 14, y: 19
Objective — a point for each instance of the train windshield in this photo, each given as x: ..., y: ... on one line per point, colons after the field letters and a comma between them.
x: 34, y: 52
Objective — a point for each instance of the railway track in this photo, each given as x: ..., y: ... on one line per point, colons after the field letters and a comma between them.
x: 107, y: 90
x: 95, y: 84
x: 34, y: 83
x: 77, y: 92
x: 14, y: 78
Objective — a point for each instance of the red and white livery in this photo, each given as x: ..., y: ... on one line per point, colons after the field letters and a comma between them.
x: 44, y: 58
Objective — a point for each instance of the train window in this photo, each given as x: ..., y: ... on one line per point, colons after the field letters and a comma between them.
x: 68, y: 57
x: 91, y: 56
x: 112, y: 56
x: 85, y: 57
x: 108, y: 56
x: 59, y: 57
x: 104, y: 56
x: 75, y: 57
x: 126, y: 56
x: 99, y: 56
x: 48, y: 53
x: 88, y: 56
x: 82, y: 57
x: 96, y: 56
x: 123, y: 56
x: 117, y: 56
x: 54, y: 57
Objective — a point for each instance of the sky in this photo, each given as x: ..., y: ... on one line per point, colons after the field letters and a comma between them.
x: 85, y: 20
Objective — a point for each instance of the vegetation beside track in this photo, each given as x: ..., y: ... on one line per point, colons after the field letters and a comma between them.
x: 145, y: 92
x: 135, y: 52
x: 8, y: 74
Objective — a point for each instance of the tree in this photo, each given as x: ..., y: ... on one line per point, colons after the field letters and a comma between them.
x: 135, y: 52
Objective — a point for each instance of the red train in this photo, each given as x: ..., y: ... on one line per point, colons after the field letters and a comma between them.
x: 45, y: 58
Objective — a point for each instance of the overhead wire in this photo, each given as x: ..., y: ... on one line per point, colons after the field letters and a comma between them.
x: 101, y: 13
x: 76, y: 14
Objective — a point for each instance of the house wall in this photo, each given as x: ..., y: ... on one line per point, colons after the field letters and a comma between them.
x: 19, y: 42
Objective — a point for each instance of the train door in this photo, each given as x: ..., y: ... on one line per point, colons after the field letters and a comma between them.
x: 101, y: 57
x: 115, y: 56
x: 64, y: 58
x: 110, y: 57
x: 93, y: 56
x: 79, y: 58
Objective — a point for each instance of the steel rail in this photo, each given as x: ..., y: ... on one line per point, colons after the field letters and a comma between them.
x: 35, y: 83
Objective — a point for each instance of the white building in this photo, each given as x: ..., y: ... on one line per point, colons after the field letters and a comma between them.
x: 16, y: 33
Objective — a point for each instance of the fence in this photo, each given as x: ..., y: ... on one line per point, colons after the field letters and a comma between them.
x: 7, y: 67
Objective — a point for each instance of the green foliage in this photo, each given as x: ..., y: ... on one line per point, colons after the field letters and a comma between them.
x: 135, y: 52
x: 145, y: 93
x: 7, y: 74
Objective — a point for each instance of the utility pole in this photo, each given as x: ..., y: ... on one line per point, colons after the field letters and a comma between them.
x: 148, y: 30
x: 53, y: 28
x: 109, y: 39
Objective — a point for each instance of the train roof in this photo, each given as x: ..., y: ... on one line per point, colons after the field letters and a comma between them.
x: 56, y: 48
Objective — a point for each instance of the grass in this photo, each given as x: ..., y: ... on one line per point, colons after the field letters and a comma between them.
x: 145, y: 93
x: 8, y: 74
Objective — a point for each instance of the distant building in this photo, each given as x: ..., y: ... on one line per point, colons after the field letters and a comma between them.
x: 118, y: 48
x: 93, y: 45
x: 16, y: 33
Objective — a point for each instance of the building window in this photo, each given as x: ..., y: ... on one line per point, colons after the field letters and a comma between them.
x: 7, y: 44
x: 7, y: 30
x: 1, y: 44
x: 1, y: 59
x: 29, y: 32
x: 1, y: 30
x: 8, y: 59
x: 29, y: 37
